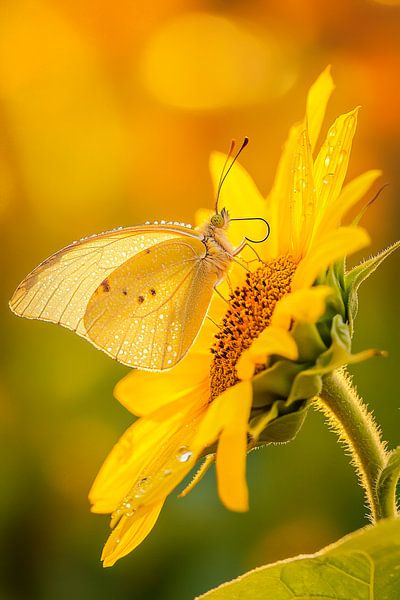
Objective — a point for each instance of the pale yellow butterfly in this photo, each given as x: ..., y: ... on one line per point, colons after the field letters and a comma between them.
x: 139, y: 293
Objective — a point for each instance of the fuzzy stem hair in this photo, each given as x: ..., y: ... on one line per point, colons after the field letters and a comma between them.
x: 356, y: 428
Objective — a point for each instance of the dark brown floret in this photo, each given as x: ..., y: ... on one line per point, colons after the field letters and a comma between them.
x: 250, y: 312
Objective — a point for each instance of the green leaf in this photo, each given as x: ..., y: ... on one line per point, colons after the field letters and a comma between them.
x: 364, y: 565
x: 355, y: 277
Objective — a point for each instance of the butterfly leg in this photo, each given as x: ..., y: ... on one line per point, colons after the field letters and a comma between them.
x: 258, y: 258
x: 213, y: 322
x: 229, y: 282
x: 221, y: 295
x: 240, y: 263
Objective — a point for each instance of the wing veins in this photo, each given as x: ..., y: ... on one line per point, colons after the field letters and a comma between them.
x: 167, y: 299
x: 74, y: 293
x: 57, y: 288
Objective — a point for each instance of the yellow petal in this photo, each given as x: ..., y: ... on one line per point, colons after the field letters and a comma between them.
x: 144, y: 450
x: 280, y: 200
x: 129, y: 533
x: 303, y: 305
x: 210, y: 426
x: 317, y: 100
x: 273, y: 340
x: 351, y: 194
x: 332, y: 160
x: 169, y: 465
x: 301, y: 199
x: 226, y: 418
x: 326, y: 250
x: 241, y: 197
x: 279, y: 241
x: 232, y: 447
x: 143, y: 392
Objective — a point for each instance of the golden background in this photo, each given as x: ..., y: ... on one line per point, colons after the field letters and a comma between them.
x: 108, y: 114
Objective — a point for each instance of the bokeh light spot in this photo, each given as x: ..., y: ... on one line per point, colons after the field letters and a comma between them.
x: 203, y: 61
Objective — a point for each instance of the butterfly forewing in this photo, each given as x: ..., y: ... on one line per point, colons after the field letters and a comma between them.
x: 59, y: 289
x: 147, y: 312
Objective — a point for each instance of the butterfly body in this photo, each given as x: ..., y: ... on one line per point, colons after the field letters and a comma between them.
x: 140, y: 293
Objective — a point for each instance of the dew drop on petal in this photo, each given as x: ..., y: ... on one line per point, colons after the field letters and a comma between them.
x: 184, y: 454
x: 327, y: 179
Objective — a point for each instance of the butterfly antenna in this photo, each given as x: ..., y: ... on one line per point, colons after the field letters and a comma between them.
x: 224, y: 172
x: 256, y: 219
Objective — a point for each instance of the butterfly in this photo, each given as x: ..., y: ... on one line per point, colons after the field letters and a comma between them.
x: 140, y: 293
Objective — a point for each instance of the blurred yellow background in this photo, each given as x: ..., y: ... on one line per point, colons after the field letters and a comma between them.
x: 108, y: 114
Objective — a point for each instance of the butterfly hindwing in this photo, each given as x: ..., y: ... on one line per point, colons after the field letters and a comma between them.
x: 147, y: 313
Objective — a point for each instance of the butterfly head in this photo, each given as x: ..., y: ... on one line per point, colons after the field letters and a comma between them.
x: 220, y: 220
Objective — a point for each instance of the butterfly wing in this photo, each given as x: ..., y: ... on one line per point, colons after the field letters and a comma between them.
x: 148, y: 312
x: 59, y: 289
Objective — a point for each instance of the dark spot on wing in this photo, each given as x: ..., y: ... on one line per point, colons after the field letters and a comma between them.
x: 105, y: 285
x: 147, y: 251
x: 140, y: 299
x: 153, y: 292
x: 125, y: 292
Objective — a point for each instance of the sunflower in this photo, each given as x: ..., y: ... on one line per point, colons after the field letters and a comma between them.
x: 263, y: 352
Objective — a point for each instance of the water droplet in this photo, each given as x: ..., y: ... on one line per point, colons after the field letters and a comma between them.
x: 142, y: 486
x: 327, y: 160
x: 117, y: 541
x: 327, y: 179
x: 167, y: 472
x: 184, y: 454
x: 342, y: 156
x: 332, y: 132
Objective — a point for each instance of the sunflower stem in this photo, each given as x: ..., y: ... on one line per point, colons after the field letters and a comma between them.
x: 357, y: 429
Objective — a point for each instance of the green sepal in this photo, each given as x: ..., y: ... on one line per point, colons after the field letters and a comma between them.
x: 274, y: 383
x: 285, y: 426
x: 355, y: 277
x: 334, y: 278
x: 308, y: 340
x: 308, y: 382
